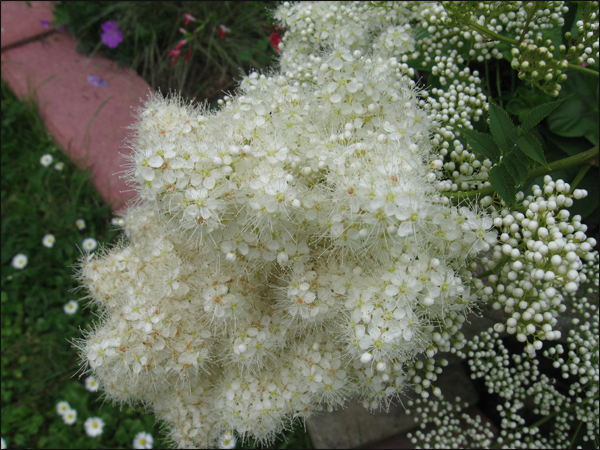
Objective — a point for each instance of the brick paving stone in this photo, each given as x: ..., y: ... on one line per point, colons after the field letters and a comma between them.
x: 88, y: 122
x: 21, y: 23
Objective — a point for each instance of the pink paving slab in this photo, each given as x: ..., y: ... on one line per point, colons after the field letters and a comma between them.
x: 21, y: 23
x: 87, y: 121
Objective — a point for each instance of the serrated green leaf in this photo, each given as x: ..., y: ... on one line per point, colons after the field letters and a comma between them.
x: 503, y: 129
x: 482, y: 144
x: 517, y: 169
x: 538, y: 114
x: 523, y: 158
x: 503, y: 183
x: 529, y: 145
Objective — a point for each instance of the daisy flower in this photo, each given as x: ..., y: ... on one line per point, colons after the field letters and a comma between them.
x: 62, y: 408
x: 80, y: 224
x: 93, y: 426
x: 46, y: 160
x: 227, y: 440
x: 59, y: 166
x: 143, y: 440
x: 49, y: 240
x: 90, y: 244
x: 70, y: 416
x: 71, y: 307
x: 19, y: 261
x: 91, y: 384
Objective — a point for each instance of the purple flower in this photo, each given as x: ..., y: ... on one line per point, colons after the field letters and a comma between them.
x: 111, y: 35
x: 97, y: 81
x: 44, y: 23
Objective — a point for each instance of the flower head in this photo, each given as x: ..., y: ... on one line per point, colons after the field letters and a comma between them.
x: 188, y: 18
x: 71, y: 307
x: 223, y: 31
x: 80, y: 224
x: 91, y: 384
x: 90, y: 244
x: 94, y: 426
x: 143, y: 440
x: 70, y: 416
x: 49, y: 240
x: 59, y: 166
x: 46, y: 160
x: 227, y: 440
x: 111, y: 35
x: 19, y: 261
x: 62, y: 407
x: 275, y: 39
x: 97, y: 81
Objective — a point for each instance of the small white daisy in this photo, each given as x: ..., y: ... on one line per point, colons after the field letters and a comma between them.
x: 93, y: 426
x: 19, y: 261
x: 46, y: 160
x: 70, y: 416
x: 71, y: 307
x: 62, y: 408
x: 90, y: 244
x: 143, y: 440
x: 59, y: 166
x: 91, y: 384
x: 80, y: 224
x: 49, y: 240
x: 227, y: 440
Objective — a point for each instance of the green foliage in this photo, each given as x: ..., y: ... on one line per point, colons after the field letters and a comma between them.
x: 38, y: 364
x: 514, y: 149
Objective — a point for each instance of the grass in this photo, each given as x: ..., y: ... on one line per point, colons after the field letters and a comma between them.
x: 38, y: 363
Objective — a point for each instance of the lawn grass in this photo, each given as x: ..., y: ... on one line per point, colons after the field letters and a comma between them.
x: 38, y: 362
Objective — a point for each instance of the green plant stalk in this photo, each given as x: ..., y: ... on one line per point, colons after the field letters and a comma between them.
x: 580, y: 176
x: 589, y: 158
x: 516, y: 43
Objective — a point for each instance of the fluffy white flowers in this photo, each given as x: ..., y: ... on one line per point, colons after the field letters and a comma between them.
x: 227, y: 440
x: 94, y: 426
x: 71, y: 307
x: 19, y: 261
x: 291, y: 250
x: 48, y: 240
x: 143, y: 440
x: 46, y: 160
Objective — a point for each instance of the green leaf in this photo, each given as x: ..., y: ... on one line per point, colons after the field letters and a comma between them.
x: 579, y: 115
x: 482, y: 144
x: 538, y: 114
x: 503, y: 183
x: 245, y: 55
x: 263, y: 44
x: 503, y: 129
x: 529, y: 145
x: 516, y: 168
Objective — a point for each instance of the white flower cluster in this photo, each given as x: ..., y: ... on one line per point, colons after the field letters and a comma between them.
x: 290, y: 251
x: 542, y: 253
x: 293, y: 250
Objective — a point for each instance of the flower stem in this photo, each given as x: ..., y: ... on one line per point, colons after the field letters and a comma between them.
x: 589, y: 158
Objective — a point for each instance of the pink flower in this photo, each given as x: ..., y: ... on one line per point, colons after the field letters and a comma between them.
x: 275, y: 39
x: 188, y: 18
x: 223, y: 31
x: 111, y: 35
x: 176, y: 52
